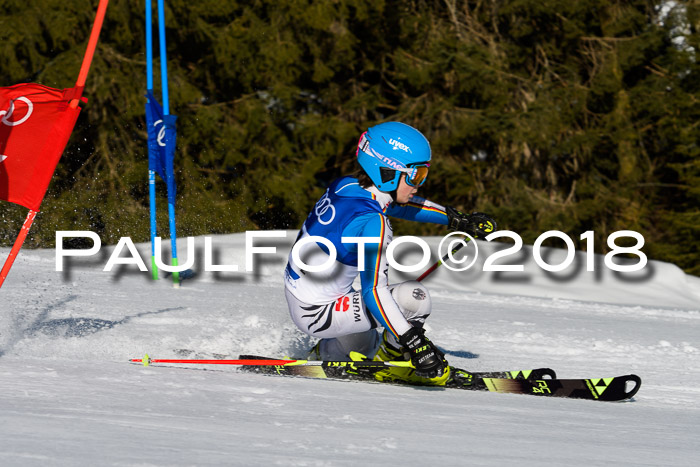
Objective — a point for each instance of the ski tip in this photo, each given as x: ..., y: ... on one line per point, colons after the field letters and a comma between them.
x: 618, y: 388
x: 632, y: 385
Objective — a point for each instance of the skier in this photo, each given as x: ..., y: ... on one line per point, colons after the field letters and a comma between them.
x: 351, y: 219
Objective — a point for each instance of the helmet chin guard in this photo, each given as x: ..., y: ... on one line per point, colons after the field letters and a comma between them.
x: 389, y: 149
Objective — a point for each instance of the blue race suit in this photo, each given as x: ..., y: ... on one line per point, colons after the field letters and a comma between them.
x: 348, y: 210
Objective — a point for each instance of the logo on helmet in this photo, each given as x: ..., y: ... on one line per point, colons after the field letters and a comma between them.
x: 387, y: 160
x: 399, y: 145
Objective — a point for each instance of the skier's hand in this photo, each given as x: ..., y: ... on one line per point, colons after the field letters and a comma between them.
x: 477, y: 224
x: 427, y: 359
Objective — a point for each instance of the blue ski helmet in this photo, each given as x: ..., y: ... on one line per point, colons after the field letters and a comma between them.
x: 389, y: 149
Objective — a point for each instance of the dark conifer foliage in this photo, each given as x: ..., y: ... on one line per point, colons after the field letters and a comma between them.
x: 572, y: 116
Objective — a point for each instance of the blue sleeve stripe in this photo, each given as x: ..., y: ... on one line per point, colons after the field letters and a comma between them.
x: 375, y: 282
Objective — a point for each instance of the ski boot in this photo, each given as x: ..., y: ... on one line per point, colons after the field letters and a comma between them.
x: 390, y: 350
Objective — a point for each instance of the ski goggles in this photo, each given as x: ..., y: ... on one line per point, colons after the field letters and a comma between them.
x: 416, y: 174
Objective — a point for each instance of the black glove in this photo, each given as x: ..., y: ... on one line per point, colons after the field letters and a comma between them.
x: 476, y: 224
x: 428, y: 361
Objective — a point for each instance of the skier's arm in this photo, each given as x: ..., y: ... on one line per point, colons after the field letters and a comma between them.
x: 419, y: 210
x: 374, y: 278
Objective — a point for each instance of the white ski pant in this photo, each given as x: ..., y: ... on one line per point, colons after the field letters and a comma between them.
x: 344, y: 325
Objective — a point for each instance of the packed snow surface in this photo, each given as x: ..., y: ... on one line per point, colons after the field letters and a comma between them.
x: 69, y: 396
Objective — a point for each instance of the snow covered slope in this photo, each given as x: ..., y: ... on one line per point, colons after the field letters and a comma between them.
x: 68, y: 396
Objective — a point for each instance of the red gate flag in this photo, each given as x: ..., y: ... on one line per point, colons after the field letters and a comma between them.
x: 35, y: 124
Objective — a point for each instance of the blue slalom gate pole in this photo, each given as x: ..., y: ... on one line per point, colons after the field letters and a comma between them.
x: 166, y: 111
x: 152, y: 193
x: 151, y: 172
x: 163, y: 62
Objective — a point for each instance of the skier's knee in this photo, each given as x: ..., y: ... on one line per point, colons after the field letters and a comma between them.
x: 413, y: 300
